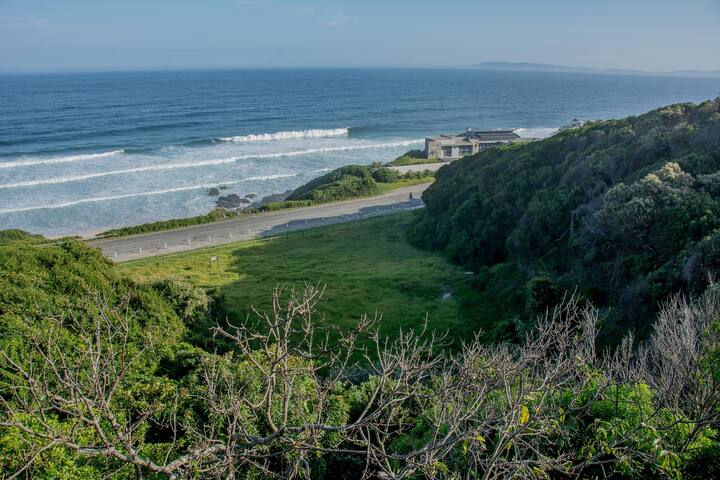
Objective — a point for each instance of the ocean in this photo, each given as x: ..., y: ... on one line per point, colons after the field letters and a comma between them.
x: 81, y: 153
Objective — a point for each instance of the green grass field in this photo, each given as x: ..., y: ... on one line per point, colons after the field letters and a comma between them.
x: 366, y: 266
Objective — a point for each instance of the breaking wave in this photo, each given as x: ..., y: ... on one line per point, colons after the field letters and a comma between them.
x: 145, y: 194
x: 51, y: 160
x: 205, y: 163
x: 266, y: 137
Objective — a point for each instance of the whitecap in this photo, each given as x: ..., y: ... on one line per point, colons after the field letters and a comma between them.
x: 205, y: 163
x: 289, y: 135
x: 51, y: 160
x: 147, y: 194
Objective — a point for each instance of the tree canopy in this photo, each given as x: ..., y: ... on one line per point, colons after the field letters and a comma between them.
x: 627, y: 211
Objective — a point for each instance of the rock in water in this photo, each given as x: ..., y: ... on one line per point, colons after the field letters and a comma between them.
x: 230, y: 202
x: 214, y: 192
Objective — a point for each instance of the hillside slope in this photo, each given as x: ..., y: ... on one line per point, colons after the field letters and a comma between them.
x: 355, y: 181
x: 627, y: 211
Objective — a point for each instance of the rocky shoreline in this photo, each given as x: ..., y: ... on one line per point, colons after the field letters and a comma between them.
x: 236, y: 203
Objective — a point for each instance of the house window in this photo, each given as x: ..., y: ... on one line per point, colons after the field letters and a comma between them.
x: 447, y: 151
x: 465, y: 150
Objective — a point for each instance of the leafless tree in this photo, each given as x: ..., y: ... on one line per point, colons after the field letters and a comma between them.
x: 271, y: 404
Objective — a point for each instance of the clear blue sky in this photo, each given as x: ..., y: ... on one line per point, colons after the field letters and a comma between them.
x: 88, y: 35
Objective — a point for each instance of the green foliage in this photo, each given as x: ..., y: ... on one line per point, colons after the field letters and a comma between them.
x: 385, y: 175
x: 542, y: 295
x: 215, y: 215
x: 189, y: 302
x: 345, y: 182
x: 354, y: 181
x: 589, y: 417
x: 8, y: 236
x: 412, y: 157
x: 42, y: 283
x: 273, y: 206
x: 626, y: 210
x: 367, y: 267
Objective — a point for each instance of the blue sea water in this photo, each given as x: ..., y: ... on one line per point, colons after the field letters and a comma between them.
x: 80, y: 153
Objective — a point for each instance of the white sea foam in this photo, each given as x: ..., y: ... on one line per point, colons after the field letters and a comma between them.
x: 146, y: 194
x: 536, y: 132
x: 266, y: 137
x: 204, y: 163
x: 50, y: 160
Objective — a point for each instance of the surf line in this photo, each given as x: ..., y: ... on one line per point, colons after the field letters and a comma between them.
x: 221, y: 161
x: 144, y: 194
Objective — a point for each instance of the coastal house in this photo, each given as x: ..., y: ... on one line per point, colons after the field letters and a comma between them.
x: 451, y: 147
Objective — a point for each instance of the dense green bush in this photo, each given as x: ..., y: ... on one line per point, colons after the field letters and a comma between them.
x: 626, y: 210
x: 352, y: 181
x: 215, y: 215
x: 113, y: 379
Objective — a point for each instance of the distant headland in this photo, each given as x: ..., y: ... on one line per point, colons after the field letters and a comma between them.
x: 545, y: 67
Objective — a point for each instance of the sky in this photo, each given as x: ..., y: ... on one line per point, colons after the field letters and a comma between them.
x: 99, y: 35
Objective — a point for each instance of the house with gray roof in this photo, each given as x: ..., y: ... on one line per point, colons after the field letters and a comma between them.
x: 452, y: 147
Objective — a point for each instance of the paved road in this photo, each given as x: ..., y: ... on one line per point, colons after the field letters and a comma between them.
x: 246, y: 227
x: 419, y: 167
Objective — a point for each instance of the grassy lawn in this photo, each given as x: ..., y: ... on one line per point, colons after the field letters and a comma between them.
x: 367, y: 267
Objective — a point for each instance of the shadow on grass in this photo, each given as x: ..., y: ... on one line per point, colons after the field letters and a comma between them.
x: 366, y: 267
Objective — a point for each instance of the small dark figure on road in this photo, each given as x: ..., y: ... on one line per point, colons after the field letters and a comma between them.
x: 411, y: 197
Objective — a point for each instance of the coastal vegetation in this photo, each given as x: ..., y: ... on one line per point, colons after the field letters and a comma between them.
x: 579, y: 336
x: 623, y: 212
x: 355, y: 181
x: 103, y: 376
x: 412, y: 157
x: 215, y: 215
x: 367, y: 266
x: 344, y: 183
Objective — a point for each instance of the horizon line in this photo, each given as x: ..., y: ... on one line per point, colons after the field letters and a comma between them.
x: 533, y: 67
